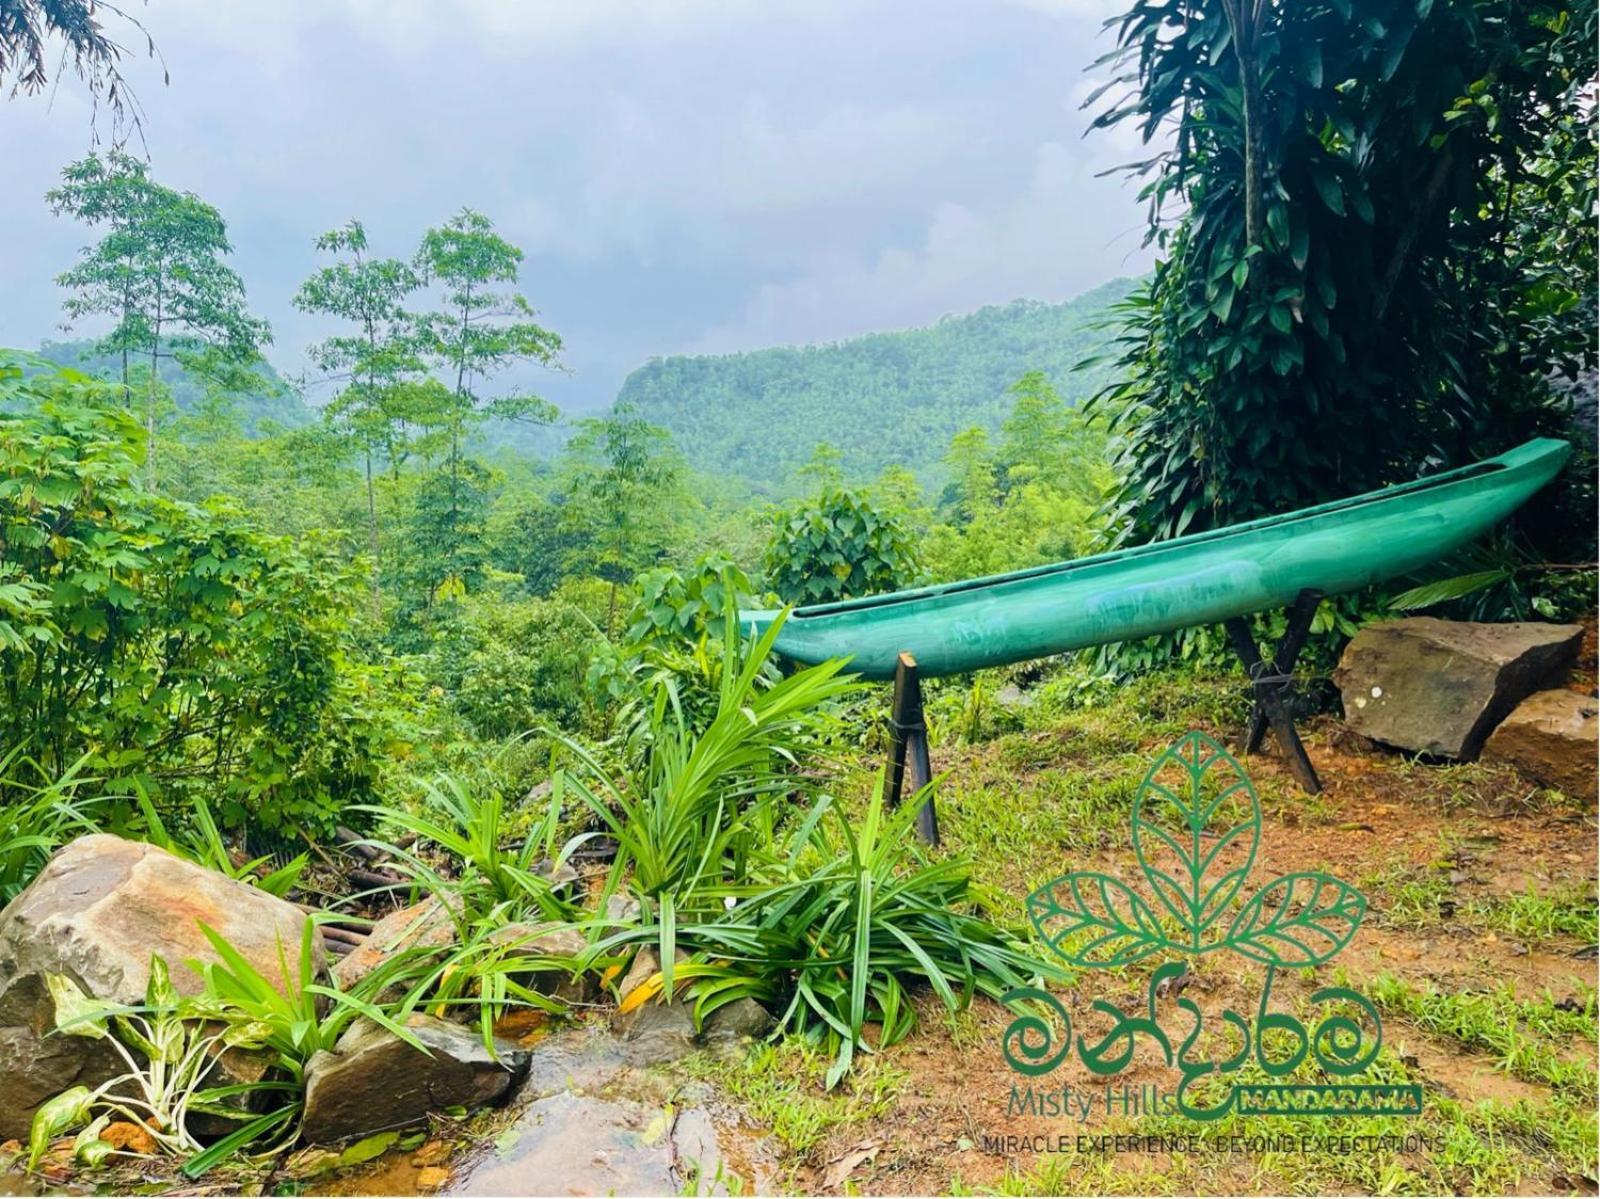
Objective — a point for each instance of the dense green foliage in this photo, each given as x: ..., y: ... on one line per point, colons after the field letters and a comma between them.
x: 884, y: 399
x: 835, y: 546
x: 223, y: 612
x: 172, y: 643
x: 742, y: 858
x: 1376, y: 256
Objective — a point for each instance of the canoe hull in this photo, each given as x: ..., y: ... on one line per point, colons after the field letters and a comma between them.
x: 1196, y: 580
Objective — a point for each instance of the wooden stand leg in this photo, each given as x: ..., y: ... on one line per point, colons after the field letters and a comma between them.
x: 1288, y: 653
x: 909, y: 767
x: 1269, y: 696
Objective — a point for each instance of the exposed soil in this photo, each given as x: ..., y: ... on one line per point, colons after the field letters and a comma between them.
x: 1378, y: 813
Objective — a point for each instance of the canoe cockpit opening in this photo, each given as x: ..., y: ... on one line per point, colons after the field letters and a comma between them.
x: 1475, y: 471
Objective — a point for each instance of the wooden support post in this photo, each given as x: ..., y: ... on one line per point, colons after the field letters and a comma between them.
x: 1288, y: 653
x: 909, y: 767
x: 1270, y: 686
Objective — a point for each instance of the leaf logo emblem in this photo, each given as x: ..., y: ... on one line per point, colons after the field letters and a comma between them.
x: 1196, y: 827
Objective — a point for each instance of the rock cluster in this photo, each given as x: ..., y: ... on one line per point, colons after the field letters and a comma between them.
x: 104, y: 907
x: 1440, y: 687
x: 97, y: 913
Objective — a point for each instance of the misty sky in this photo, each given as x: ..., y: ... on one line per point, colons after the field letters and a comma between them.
x: 684, y: 176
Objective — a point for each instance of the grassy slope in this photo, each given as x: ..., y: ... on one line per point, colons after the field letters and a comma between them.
x: 1478, y: 947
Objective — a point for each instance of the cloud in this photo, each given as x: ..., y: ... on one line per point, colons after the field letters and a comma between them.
x: 680, y: 174
x: 1044, y: 244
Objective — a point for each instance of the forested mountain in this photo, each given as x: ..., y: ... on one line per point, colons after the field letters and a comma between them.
x: 273, y: 401
x: 886, y: 398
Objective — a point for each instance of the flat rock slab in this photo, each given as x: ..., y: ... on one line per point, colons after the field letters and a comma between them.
x: 374, y: 1081
x: 98, y: 912
x: 570, y: 1144
x: 1552, y: 738
x: 1440, y: 687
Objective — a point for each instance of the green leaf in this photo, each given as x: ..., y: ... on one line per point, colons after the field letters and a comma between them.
x: 1196, y: 828
x: 1301, y: 919
x: 1444, y: 590
x: 55, y: 1116
x: 236, y: 1140
x: 76, y: 1014
x: 1124, y: 928
x: 1327, y: 185
x: 368, y: 1148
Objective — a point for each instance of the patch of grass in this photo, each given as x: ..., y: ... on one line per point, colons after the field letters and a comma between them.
x: 782, y: 1087
x: 1524, y: 1035
x: 1479, y: 1148
x: 1035, y: 827
x: 1562, y: 1131
x: 1410, y: 896
x: 1565, y: 911
x: 1085, y: 1174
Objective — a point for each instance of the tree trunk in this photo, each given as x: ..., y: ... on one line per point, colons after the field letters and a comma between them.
x: 150, y: 421
x: 150, y: 396
x: 1244, y: 24
x: 372, y: 539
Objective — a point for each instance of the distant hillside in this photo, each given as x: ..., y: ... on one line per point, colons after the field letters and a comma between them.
x: 274, y: 401
x: 884, y: 398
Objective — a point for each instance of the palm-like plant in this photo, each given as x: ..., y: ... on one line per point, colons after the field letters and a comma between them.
x: 35, y: 819
x: 698, y: 810
x: 496, y: 871
x: 864, y: 915
x: 285, y: 1014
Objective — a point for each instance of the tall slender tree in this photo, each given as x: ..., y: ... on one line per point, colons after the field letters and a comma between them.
x: 482, y: 329
x: 621, y: 472
x: 158, y: 273
x: 377, y: 363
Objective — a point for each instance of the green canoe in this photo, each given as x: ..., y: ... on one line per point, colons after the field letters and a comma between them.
x: 1200, y: 579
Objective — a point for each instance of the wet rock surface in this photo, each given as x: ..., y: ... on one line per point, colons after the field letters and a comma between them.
x: 97, y: 913
x: 652, y: 1028
x: 1440, y: 687
x: 594, y: 1123
x: 1552, y: 738
x: 569, y: 1144
x: 374, y: 1081
x: 743, y: 1019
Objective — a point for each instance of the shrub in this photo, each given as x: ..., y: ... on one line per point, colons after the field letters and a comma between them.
x: 836, y: 546
x: 173, y: 644
x: 674, y: 640
x: 511, y: 666
x: 740, y: 858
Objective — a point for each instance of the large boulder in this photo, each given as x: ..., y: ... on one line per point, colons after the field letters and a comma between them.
x: 373, y: 1081
x: 1552, y: 738
x: 1439, y: 687
x: 98, y: 912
